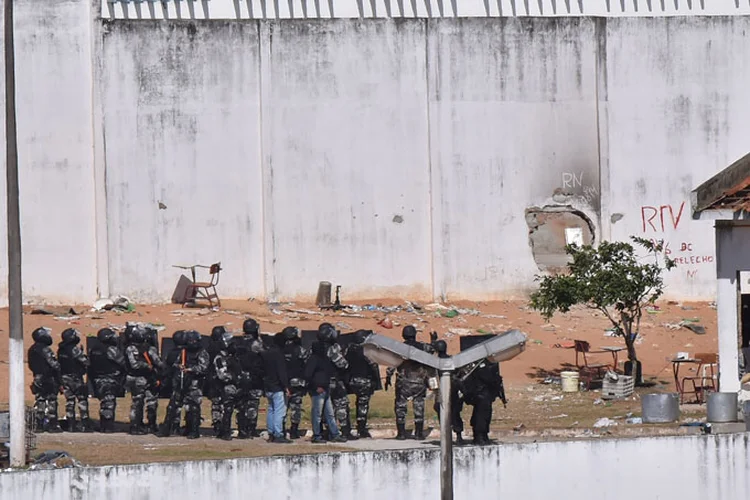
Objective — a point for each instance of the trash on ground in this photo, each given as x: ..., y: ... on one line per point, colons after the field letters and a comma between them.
x: 604, y: 422
x: 119, y: 302
x: 386, y: 323
x: 634, y: 421
x: 451, y: 313
x: 54, y: 460
x: 695, y: 328
x: 461, y: 332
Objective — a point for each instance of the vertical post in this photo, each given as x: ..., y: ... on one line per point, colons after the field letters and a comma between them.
x: 15, y: 342
x: 446, y: 438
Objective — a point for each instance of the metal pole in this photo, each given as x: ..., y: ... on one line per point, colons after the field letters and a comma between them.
x: 15, y: 342
x: 446, y: 438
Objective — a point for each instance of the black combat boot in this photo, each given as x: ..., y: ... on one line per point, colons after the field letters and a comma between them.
x: 460, y: 439
x: 86, y: 425
x: 53, y: 426
x: 167, y: 427
x: 254, y: 433
x: 419, y: 431
x: 347, y: 433
x: 106, y: 425
x: 193, y: 425
x: 225, y: 427
x: 153, y: 427
x: 71, y: 425
x: 294, y: 431
x: 362, y: 431
x: 401, y: 431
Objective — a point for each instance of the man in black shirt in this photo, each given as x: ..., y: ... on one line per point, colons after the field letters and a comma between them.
x: 276, y: 388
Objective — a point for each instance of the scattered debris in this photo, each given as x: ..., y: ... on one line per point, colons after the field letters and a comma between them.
x: 386, y: 323
x: 604, y: 422
x: 598, y: 401
x: 120, y: 303
x: 343, y: 326
x: 634, y: 421
x: 452, y: 313
x: 519, y: 427
x: 695, y: 328
x: 54, y: 460
x: 302, y: 311
x: 41, y: 312
x: 461, y: 332
x: 562, y: 415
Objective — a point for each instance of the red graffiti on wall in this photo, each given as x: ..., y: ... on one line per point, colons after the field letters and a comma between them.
x: 653, y: 218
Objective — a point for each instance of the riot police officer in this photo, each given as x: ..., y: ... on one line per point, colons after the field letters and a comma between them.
x: 107, y: 371
x: 196, y: 367
x: 411, y: 384
x: 144, y: 368
x: 73, y: 366
x: 296, y: 357
x: 339, y: 393
x: 481, y: 388
x: 46, y: 384
x: 249, y: 347
x: 174, y: 377
x: 364, y: 376
x: 225, y: 371
x: 457, y: 402
x: 211, y: 388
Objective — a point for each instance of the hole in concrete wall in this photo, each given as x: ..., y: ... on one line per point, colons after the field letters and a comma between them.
x: 550, y: 229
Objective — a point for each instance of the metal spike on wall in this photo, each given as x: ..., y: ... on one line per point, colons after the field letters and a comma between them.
x: 487, y: 8
x: 500, y: 7
x: 540, y: 3
x: 360, y: 8
x: 428, y: 6
x: 526, y: 6
x: 374, y: 7
x: 400, y: 7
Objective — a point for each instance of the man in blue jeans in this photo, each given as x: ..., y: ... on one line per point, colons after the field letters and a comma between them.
x: 321, y: 374
x: 276, y: 388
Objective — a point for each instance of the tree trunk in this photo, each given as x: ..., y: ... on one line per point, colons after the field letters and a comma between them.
x: 633, y: 366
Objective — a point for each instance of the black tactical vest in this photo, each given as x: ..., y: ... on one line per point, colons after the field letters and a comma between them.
x: 37, y: 362
x: 101, y: 364
x: 68, y: 364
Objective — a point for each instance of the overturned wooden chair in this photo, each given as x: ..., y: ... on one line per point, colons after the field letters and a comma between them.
x: 202, y: 290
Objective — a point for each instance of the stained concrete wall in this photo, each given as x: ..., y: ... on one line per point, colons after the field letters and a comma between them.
x: 182, y: 132
x: 54, y: 78
x: 689, y: 468
x: 396, y: 157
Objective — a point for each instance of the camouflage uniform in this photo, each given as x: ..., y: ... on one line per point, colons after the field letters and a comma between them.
x: 142, y: 383
x: 250, y: 385
x: 339, y: 396
x: 196, y: 361
x: 411, y: 385
x: 73, y: 365
x: 225, y: 371
x: 106, y: 372
x: 45, y: 386
x: 296, y: 356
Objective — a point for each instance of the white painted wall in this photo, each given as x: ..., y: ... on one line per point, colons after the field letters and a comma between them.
x: 182, y: 128
x: 345, y: 152
x: 512, y: 110
x: 676, y: 114
x: 54, y: 106
x: 286, y: 149
x: 688, y: 468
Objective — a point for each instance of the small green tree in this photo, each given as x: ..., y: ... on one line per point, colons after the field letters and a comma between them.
x: 611, y: 279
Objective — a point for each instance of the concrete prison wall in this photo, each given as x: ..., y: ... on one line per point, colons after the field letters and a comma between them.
x: 414, y: 157
x: 688, y: 468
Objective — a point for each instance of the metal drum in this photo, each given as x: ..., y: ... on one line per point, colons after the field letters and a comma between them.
x: 721, y: 407
x: 660, y: 408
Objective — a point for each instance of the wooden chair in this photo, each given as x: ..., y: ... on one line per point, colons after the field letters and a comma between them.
x: 587, y: 369
x: 204, y: 290
x: 705, y: 377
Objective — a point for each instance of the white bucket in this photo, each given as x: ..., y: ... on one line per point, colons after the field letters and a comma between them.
x: 569, y: 381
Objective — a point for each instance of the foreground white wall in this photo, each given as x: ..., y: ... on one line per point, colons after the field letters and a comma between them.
x: 689, y: 468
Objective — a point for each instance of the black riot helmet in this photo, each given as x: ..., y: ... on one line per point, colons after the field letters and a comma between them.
x: 217, y: 332
x: 227, y: 342
x: 361, y: 335
x: 326, y: 332
x: 179, y: 338
x: 441, y: 347
x: 70, y: 336
x: 42, y: 335
x: 107, y: 336
x: 251, y: 327
x: 409, y: 333
x: 193, y: 340
x: 137, y: 335
x: 291, y: 334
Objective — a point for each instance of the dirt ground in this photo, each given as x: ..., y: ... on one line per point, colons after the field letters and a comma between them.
x: 535, y: 408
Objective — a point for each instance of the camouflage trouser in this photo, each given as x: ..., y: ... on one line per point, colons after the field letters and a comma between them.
x: 45, y: 390
x: 106, y: 388
x: 294, y: 404
x: 76, y: 392
x: 193, y: 397
x: 362, y: 388
x: 224, y: 401
x: 143, y: 393
x: 409, y: 390
x: 340, y: 402
x: 248, y: 402
x: 174, y: 407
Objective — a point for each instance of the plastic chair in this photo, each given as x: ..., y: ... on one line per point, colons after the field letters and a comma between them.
x: 587, y: 369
